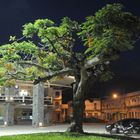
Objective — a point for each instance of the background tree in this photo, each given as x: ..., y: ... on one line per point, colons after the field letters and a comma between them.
x: 47, y: 50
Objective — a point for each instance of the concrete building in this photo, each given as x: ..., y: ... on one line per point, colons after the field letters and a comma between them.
x: 93, y: 108
x: 26, y: 103
x: 42, y: 105
x: 113, y: 109
x: 125, y: 106
x: 132, y: 102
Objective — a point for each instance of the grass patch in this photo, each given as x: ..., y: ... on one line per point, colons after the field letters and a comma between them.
x: 66, y: 136
x: 55, y: 136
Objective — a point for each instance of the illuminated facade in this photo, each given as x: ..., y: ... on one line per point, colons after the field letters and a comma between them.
x: 92, y: 108
x: 125, y: 106
x: 25, y: 104
x: 112, y: 109
x: 42, y: 105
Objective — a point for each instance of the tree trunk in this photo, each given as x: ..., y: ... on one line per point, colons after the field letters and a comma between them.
x: 78, y: 106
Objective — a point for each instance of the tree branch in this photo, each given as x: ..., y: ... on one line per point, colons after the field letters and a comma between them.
x: 54, y: 74
x: 15, y: 76
x: 21, y: 38
x: 92, y: 62
x: 34, y: 64
x: 53, y: 46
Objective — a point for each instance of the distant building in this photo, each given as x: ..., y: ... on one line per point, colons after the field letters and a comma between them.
x: 112, y: 109
x: 92, y: 108
x: 132, y: 102
x: 125, y: 106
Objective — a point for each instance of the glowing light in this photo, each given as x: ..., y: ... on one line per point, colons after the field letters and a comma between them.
x: 72, y: 77
x: 40, y: 124
x: 16, y: 86
x: 6, y: 98
x: 5, y: 123
x: 115, y: 95
x: 11, y: 98
x: 23, y: 93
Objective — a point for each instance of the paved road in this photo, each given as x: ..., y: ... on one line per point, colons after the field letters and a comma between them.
x: 28, y: 129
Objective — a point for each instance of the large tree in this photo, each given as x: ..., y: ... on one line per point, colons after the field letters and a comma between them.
x: 85, y: 51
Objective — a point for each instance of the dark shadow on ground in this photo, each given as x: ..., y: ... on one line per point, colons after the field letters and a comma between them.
x: 119, y: 137
x: 115, y: 137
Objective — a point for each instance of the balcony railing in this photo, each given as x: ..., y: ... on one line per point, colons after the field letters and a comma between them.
x: 23, y: 99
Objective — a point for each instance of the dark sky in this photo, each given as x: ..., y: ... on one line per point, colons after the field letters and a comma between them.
x: 15, y: 13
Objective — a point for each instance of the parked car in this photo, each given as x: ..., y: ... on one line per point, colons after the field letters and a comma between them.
x: 125, y: 126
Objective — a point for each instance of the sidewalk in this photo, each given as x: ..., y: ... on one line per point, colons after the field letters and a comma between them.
x: 28, y: 129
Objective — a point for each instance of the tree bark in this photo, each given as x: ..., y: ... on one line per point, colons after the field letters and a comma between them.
x: 78, y: 105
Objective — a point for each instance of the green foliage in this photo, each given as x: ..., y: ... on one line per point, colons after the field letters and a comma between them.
x: 50, y: 47
x: 12, y: 38
x: 51, y: 54
x: 43, y: 23
x: 29, y: 30
x: 112, y: 30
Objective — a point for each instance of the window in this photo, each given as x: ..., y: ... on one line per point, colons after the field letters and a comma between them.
x: 24, y: 113
x: 96, y: 114
x: 108, y: 116
x: 136, y: 114
x: 95, y: 106
x: 129, y: 114
x: 89, y: 115
x: 133, y: 100
x: 132, y: 114
x: 57, y: 94
x: 107, y: 106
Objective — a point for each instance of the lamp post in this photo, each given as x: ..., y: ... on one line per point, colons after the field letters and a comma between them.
x: 115, y: 97
x: 121, y: 106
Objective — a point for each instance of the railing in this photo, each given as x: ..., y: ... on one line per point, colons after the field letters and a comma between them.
x: 24, y: 99
x: 132, y: 104
x: 48, y: 101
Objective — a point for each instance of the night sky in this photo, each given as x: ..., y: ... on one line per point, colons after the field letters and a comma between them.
x: 15, y: 13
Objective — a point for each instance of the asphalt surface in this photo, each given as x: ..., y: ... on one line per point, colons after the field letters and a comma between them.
x: 28, y: 129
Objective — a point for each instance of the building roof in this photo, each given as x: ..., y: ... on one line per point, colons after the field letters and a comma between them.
x: 61, y: 82
x: 132, y: 94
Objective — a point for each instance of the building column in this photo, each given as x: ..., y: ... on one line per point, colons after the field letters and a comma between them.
x: 38, y: 105
x: 9, y: 114
x: 8, y: 106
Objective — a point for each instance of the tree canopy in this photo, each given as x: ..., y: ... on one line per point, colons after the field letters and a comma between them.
x: 48, y: 49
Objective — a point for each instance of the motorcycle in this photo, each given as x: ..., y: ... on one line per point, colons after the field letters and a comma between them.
x: 130, y: 130
x: 116, y: 129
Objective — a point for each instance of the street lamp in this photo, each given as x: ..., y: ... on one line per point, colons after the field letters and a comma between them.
x: 115, y: 95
